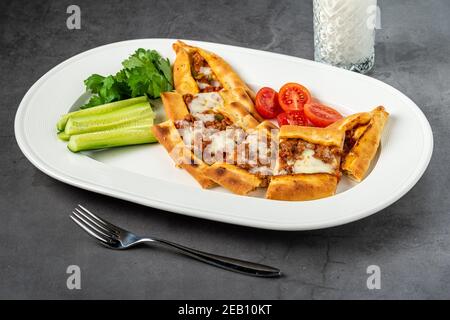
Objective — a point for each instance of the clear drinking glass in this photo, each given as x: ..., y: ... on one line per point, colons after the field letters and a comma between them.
x: 344, y: 33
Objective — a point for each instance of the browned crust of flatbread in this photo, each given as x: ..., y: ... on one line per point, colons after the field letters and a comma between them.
x: 233, y: 178
x: 267, y: 125
x: 322, y: 136
x: 238, y: 114
x: 236, y: 179
x: 174, y: 106
x: 238, y: 94
x: 348, y: 123
x: 185, y: 83
x: 302, y: 187
x: 269, y: 129
x: 168, y: 136
x: 356, y: 163
x: 224, y: 72
x: 182, y: 75
x: 359, y: 131
x: 241, y: 96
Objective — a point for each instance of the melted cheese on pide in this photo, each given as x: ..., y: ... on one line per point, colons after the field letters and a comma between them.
x: 222, y: 141
x: 207, y: 79
x: 309, y: 164
x: 207, y: 71
x: 202, y: 85
x: 204, y: 102
x: 187, y: 134
x: 261, y: 170
x: 259, y: 154
x: 205, y: 117
x: 203, y: 108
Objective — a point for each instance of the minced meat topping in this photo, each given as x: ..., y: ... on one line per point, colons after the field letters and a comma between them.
x: 293, y: 150
x: 203, y: 74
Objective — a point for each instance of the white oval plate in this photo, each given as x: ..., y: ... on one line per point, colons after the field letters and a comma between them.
x: 146, y: 175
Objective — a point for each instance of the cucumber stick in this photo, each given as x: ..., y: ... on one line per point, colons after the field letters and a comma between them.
x: 105, y: 108
x: 146, y: 121
x: 63, y: 136
x: 107, y: 121
x: 111, y: 138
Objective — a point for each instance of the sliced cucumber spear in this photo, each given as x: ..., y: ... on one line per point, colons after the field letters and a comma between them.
x: 99, y: 110
x: 146, y: 121
x: 63, y: 136
x: 111, y: 138
x: 116, y: 119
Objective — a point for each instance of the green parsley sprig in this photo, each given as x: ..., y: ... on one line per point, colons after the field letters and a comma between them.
x: 145, y: 72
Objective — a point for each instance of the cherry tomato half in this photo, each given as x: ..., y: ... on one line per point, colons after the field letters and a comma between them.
x: 266, y: 103
x: 295, y: 117
x: 293, y: 96
x: 321, y: 115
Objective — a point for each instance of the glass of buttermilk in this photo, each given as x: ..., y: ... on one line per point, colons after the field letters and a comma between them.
x: 344, y: 33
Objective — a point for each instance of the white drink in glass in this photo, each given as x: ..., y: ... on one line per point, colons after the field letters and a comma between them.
x: 344, y: 33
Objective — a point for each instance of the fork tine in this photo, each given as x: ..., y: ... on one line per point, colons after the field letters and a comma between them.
x: 99, y: 225
x: 89, y: 231
x: 92, y: 226
x: 100, y: 220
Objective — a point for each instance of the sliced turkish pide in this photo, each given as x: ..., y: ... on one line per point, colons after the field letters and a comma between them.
x: 252, y: 162
x: 363, y: 145
x: 167, y: 134
x: 362, y: 138
x: 307, y: 166
x: 231, y: 147
x: 197, y: 71
x: 177, y: 134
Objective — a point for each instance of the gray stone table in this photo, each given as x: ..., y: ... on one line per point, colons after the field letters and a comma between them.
x: 409, y: 241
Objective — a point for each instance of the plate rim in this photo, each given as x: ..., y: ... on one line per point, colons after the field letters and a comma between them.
x: 92, y: 186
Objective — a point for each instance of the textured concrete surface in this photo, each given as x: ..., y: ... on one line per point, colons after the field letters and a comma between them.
x: 410, y: 240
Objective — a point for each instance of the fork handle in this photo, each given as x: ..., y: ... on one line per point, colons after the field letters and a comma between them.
x: 241, y: 266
